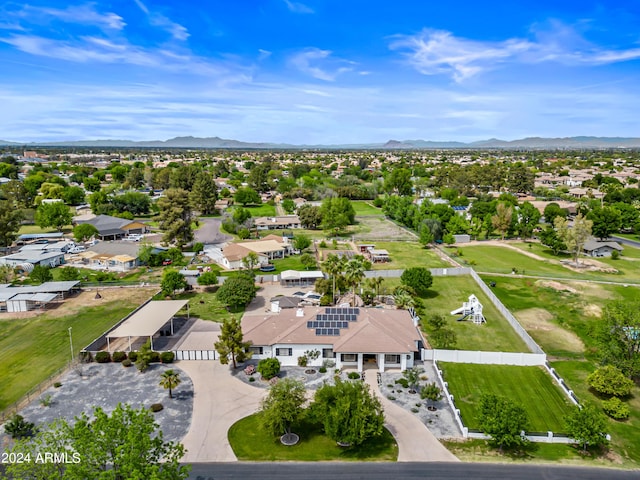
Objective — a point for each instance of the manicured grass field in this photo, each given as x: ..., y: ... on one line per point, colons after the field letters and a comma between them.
x: 206, y: 306
x: 264, y: 210
x: 32, y: 349
x: 251, y: 443
x: 447, y: 294
x: 36, y: 229
x: 288, y: 263
x: 408, y: 254
x: 365, y: 207
x: 531, y: 387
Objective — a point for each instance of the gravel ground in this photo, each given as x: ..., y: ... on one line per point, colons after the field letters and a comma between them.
x: 106, y: 385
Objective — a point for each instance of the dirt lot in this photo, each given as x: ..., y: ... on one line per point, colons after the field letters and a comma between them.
x: 538, y: 321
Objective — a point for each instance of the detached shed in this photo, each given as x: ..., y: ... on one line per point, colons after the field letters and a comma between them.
x: 24, y: 302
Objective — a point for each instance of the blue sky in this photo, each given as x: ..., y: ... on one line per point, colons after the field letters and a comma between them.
x: 318, y: 71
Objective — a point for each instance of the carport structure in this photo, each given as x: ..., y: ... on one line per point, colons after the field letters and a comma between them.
x: 148, y: 320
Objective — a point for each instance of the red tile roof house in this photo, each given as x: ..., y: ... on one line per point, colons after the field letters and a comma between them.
x: 350, y: 337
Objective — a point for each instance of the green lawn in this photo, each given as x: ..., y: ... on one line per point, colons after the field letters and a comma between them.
x: 408, y: 254
x: 251, y: 443
x: 531, y: 387
x: 288, y: 263
x: 32, y: 349
x: 206, y: 306
x: 447, y: 294
x: 36, y: 229
x: 365, y: 207
x: 264, y: 210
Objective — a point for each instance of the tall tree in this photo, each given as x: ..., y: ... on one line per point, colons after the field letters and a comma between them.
x: 349, y: 412
x: 84, y: 232
x: 606, y: 221
x: 354, y: 272
x: 283, y: 406
x: 333, y: 266
x: 237, y: 291
x: 230, y: 344
x: 175, y: 217
x: 528, y: 218
x: 418, y: 278
x: 127, y: 443
x: 246, y: 196
x: 502, y: 219
x: 10, y: 220
x: 587, y: 426
x: 170, y: 379
x: 618, y: 336
x: 310, y: 216
x: 204, y: 193
x: 574, y: 237
x: 337, y: 213
x: 55, y: 215
x: 172, y: 280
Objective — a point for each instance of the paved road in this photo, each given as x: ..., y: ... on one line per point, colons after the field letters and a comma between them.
x: 209, y: 232
x: 400, y: 471
x: 625, y: 241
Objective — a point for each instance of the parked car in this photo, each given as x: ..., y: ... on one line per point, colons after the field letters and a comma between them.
x: 167, y: 261
x: 133, y: 237
x: 77, y: 249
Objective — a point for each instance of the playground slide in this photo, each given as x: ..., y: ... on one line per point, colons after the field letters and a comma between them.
x: 457, y: 311
x: 462, y: 318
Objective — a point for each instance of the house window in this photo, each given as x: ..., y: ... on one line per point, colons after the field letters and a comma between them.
x: 349, y: 357
x: 392, y: 359
x: 256, y: 350
x: 328, y: 353
x: 283, y: 352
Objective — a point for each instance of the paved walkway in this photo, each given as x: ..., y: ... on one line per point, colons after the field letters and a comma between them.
x: 415, y: 442
x: 220, y: 400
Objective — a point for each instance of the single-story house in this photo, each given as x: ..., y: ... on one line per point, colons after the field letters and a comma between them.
x: 267, y: 249
x: 118, y: 256
x: 278, y: 303
x: 111, y: 228
x: 595, y: 248
x: 378, y: 255
x: 32, y: 297
x: 277, y: 223
x: 351, y: 337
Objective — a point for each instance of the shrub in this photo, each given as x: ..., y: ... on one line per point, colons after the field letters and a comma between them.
x: 391, y: 397
x: 615, y: 255
x: 156, y: 407
x: 46, y: 401
x: 154, y: 357
x: 103, y: 357
x: 322, y: 369
x: 414, y: 410
x: 616, y: 408
x: 269, y: 368
x: 302, y: 361
x: 167, y: 357
x: 609, y: 380
x: 57, y: 385
x: 403, y: 381
x: 118, y: 356
x: 127, y: 363
x: 133, y: 356
x: 252, y: 379
x: 353, y: 375
x: 18, y: 427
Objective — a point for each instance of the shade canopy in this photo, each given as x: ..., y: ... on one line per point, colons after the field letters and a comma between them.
x: 149, y: 319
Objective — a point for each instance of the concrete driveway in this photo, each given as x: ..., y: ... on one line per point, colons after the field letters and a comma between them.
x: 209, y: 231
x: 415, y: 442
x: 219, y: 401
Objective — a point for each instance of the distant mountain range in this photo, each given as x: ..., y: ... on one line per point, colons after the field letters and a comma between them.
x: 217, y: 142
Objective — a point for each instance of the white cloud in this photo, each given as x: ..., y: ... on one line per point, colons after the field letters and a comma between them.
x: 297, y: 7
x: 319, y: 64
x: 177, y: 31
x: 433, y: 52
x: 75, y: 14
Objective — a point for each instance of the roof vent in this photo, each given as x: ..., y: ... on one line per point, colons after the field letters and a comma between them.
x: 300, y: 312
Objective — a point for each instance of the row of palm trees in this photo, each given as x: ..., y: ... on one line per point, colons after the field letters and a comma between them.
x: 352, y: 273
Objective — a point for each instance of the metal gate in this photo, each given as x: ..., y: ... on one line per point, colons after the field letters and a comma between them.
x: 196, y: 355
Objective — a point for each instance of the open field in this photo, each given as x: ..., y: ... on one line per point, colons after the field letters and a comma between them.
x: 33, y: 348
x: 408, y: 254
x: 251, y: 443
x: 264, y: 210
x: 288, y: 263
x: 36, y: 229
x: 378, y: 228
x: 365, y: 207
x: 447, y: 294
x: 531, y: 387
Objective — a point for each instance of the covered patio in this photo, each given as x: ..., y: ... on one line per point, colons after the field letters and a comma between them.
x: 147, y: 321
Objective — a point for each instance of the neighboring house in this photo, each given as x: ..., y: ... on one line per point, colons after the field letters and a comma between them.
x: 111, y: 228
x: 222, y: 204
x: 295, y: 278
x: 277, y: 223
x: 351, y: 337
x: 267, y: 249
x: 118, y: 256
x: 61, y: 246
x: 374, y: 255
x: 595, y: 248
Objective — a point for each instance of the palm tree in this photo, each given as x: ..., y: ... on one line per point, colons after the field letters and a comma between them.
x: 354, y: 273
x: 375, y: 284
x: 170, y: 379
x: 333, y: 266
x: 403, y: 300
